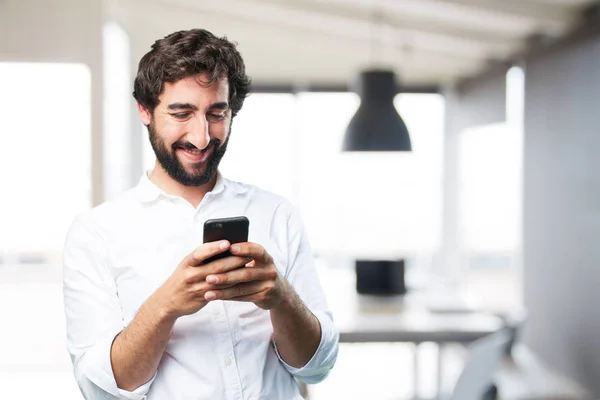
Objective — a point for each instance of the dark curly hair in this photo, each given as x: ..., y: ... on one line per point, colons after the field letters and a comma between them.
x: 185, y: 53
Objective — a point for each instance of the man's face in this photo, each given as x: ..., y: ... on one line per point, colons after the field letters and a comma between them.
x: 189, y: 129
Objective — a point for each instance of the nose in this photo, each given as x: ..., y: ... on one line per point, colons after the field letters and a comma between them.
x: 198, y: 134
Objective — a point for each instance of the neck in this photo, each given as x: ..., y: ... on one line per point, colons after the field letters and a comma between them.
x: 191, y: 194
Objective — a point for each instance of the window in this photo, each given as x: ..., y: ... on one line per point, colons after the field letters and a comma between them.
x: 261, y: 149
x: 490, y: 201
x: 370, y: 204
x: 352, y: 204
x: 45, y: 150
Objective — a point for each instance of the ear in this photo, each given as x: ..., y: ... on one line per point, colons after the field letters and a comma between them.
x: 145, y: 115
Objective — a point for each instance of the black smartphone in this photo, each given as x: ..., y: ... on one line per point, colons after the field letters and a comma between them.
x: 232, y: 229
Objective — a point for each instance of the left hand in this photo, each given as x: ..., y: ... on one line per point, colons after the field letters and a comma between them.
x: 258, y: 282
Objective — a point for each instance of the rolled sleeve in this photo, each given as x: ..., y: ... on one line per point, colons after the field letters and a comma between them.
x: 303, y: 276
x: 93, y: 370
x: 139, y: 393
x: 318, y: 367
x: 93, y: 314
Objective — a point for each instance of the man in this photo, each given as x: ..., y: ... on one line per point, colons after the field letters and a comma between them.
x: 146, y: 317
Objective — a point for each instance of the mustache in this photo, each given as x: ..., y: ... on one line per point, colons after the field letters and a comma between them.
x: 188, y: 146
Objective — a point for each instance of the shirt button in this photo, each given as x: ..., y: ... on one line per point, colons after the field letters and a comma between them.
x: 217, y: 310
x: 227, y: 361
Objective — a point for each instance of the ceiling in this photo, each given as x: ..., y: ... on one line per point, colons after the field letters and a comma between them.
x: 313, y: 42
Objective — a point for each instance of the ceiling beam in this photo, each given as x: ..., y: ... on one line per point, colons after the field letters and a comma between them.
x: 587, y: 27
x: 462, y: 18
x: 387, y: 14
x: 547, y: 14
x: 302, y: 60
x: 348, y: 54
x: 586, y: 24
x: 353, y: 28
x: 501, y: 17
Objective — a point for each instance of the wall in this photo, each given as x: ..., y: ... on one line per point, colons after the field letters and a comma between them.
x: 562, y: 208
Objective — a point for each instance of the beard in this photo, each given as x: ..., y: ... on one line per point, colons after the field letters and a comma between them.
x: 201, y: 172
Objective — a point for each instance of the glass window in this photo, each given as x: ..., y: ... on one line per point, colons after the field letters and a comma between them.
x: 261, y: 150
x: 490, y: 205
x: 490, y: 167
x: 370, y: 204
x: 45, y: 151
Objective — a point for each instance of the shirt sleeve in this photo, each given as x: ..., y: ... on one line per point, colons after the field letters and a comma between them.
x: 93, y: 314
x: 303, y: 276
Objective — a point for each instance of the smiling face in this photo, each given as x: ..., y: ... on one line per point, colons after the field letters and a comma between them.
x: 189, y: 128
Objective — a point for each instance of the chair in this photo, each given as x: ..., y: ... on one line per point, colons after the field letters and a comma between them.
x: 514, y: 322
x: 477, y: 377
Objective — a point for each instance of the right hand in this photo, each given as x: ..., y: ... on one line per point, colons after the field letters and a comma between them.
x: 183, y: 292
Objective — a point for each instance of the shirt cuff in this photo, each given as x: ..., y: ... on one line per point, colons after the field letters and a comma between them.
x: 139, y: 393
x: 95, y: 365
x: 100, y: 372
x: 318, y: 367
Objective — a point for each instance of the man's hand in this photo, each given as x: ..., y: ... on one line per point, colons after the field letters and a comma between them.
x: 296, y: 331
x: 259, y: 282
x: 184, y: 292
x: 152, y: 326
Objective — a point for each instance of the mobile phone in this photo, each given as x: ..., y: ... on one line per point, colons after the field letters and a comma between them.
x: 232, y: 229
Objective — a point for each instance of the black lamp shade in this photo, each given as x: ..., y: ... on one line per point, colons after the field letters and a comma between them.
x: 376, y: 126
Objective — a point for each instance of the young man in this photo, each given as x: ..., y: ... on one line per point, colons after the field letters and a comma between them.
x: 146, y: 317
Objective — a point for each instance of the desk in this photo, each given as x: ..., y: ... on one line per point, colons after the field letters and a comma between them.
x: 407, y: 318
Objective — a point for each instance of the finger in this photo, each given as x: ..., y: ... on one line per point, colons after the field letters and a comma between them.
x: 205, y: 251
x: 200, y: 288
x: 255, y: 298
x: 253, y: 250
x: 197, y: 275
x: 225, y: 264
x: 239, y: 290
x: 241, y: 275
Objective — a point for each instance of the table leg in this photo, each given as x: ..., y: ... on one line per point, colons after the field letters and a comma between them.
x: 416, y: 371
x: 440, y: 372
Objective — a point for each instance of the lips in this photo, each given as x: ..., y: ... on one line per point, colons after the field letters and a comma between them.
x: 196, y: 155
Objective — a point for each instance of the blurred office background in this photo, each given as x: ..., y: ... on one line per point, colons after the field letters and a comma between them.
x: 498, y: 203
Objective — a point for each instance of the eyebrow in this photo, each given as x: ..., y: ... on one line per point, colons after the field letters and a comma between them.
x: 188, y: 106
x: 182, y: 106
x: 220, y: 106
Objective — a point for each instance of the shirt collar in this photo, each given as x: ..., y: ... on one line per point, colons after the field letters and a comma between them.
x: 148, y: 192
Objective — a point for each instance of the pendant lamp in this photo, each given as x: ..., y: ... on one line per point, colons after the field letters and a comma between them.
x: 376, y: 126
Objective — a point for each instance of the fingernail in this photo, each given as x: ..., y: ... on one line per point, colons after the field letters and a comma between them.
x: 210, y: 296
x: 212, y: 279
x: 235, y: 248
x: 224, y: 244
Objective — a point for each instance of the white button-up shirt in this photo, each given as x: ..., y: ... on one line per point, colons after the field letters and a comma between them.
x: 119, y: 253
